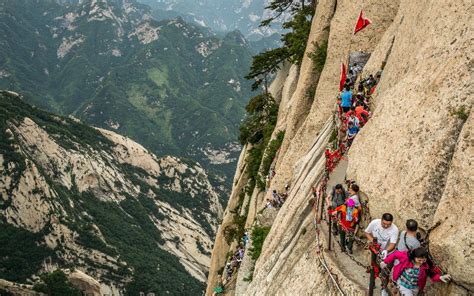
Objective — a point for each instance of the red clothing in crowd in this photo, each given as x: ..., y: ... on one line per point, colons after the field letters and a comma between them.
x: 405, y: 262
x: 359, y: 110
x: 344, y: 222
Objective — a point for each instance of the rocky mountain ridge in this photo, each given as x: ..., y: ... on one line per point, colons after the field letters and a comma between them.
x: 112, y: 65
x: 242, y: 15
x: 101, y: 203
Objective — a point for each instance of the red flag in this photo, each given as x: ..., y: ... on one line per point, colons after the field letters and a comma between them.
x: 343, y: 77
x: 361, y: 23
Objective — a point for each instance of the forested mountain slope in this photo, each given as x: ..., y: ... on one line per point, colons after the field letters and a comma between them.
x: 174, y: 87
x: 72, y: 196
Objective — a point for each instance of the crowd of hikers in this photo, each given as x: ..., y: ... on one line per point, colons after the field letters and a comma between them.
x: 401, y: 255
x: 233, y: 263
x: 402, y: 258
x: 353, y: 106
x: 278, y: 199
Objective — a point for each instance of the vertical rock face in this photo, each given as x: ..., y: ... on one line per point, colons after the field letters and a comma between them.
x: 413, y: 158
x: 221, y: 246
x: 415, y: 121
x: 452, y: 241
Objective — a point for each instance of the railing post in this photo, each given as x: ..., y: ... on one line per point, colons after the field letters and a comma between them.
x: 323, y: 197
x: 330, y: 233
x: 373, y: 261
x: 321, y: 207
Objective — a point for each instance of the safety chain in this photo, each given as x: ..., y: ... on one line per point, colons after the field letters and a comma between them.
x: 320, y: 254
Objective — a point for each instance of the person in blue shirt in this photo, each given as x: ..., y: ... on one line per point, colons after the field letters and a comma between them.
x: 352, y: 131
x: 346, y: 100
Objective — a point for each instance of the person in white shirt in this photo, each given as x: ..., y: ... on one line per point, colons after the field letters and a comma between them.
x: 353, y: 118
x: 385, y: 232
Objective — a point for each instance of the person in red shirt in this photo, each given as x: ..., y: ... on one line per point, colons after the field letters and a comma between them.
x: 361, y: 114
x: 412, y: 271
x: 351, y: 111
x: 349, y: 218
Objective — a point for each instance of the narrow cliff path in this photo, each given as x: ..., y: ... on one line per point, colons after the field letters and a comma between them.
x: 355, y: 268
x: 338, y: 175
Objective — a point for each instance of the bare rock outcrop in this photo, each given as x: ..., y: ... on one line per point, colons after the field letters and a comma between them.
x: 84, y: 283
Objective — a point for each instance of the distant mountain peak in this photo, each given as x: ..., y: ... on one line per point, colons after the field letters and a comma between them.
x: 237, y: 37
x: 221, y: 16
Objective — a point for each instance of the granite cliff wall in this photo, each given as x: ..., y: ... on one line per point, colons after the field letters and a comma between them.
x: 413, y: 158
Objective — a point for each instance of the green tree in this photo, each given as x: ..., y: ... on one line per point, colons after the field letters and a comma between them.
x: 297, y: 38
x: 21, y: 252
x: 265, y: 63
x: 319, y: 55
x: 56, y: 284
x: 294, y: 42
x: 280, y: 6
x: 262, y: 112
x: 257, y: 129
x: 258, y: 238
x: 270, y: 152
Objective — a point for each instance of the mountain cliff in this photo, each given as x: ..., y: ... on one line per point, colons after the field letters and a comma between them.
x: 112, y: 65
x: 73, y: 196
x: 413, y: 158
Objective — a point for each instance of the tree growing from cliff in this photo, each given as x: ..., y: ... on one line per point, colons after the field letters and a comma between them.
x: 278, y: 7
x: 257, y: 129
x: 262, y: 112
x: 293, y: 43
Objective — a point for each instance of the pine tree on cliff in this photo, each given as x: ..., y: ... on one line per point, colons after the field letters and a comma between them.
x: 280, y: 6
x: 294, y: 42
x: 262, y: 110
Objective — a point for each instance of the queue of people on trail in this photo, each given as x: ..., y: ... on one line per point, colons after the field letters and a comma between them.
x: 278, y: 199
x: 402, y: 256
x: 353, y: 106
x: 408, y: 262
x: 233, y: 263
